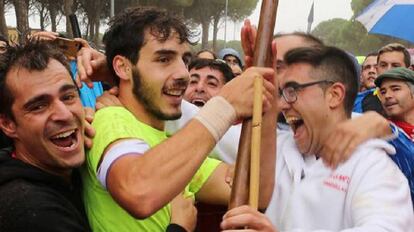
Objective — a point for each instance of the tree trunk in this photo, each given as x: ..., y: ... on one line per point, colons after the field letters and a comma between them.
x: 53, y: 15
x: 204, y: 38
x: 68, y: 10
x: 216, y: 21
x: 91, y: 29
x: 42, y: 16
x: 22, y: 19
x: 96, y: 36
x: 3, y: 25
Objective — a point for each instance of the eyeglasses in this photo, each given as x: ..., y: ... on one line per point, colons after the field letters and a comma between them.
x: 289, y: 92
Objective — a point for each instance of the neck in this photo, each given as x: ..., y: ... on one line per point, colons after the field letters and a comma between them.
x: 129, y: 101
x: 407, y: 118
x: 331, y: 121
x: 23, y: 155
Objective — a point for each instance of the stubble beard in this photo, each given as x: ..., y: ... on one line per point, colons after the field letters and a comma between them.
x: 145, y: 94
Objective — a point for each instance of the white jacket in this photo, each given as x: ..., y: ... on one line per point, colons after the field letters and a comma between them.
x: 366, y: 193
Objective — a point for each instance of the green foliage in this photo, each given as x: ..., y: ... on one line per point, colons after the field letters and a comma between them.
x: 351, y: 36
x: 358, y: 5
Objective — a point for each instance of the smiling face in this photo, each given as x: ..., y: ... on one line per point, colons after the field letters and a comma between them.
x: 205, y: 83
x: 160, y: 77
x: 397, y: 99
x: 48, y: 123
x: 308, y: 114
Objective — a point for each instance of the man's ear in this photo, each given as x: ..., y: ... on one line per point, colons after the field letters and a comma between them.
x: 8, y: 126
x: 336, y: 95
x: 122, y: 67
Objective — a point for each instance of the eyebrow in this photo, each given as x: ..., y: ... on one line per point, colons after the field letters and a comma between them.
x: 290, y: 84
x: 196, y: 75
x: 166, y: 52
x: 211, y: 77
x: 45, y: 97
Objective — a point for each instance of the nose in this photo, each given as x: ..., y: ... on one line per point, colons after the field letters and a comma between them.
x: 200, y: 86
x: 180, y: 71
x: 61, y: 112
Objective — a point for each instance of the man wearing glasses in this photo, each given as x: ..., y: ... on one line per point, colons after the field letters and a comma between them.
x: 365, y: 193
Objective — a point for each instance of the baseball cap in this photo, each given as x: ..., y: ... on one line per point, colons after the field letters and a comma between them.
x: 399, y: 73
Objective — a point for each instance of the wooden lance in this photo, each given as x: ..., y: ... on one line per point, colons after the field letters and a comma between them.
x: 245, y: 189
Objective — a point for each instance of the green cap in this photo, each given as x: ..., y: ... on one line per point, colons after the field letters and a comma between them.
x: 399, y: 73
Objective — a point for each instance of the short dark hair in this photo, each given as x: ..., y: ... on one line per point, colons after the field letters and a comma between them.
x: 32, y: 55
x: 309, y: 39
x: 4, y: 39
x: 219, y: 65
x: 126, y: 32
x: 396, y: 47
x: 329, y: 63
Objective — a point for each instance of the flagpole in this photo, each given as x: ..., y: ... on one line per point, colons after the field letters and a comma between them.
x: 310, y: 18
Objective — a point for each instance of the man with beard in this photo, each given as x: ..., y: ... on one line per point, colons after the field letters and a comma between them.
x: 207, y: 77
x: 133, y: 170
x: 40, y: 110
x: 363, y: 193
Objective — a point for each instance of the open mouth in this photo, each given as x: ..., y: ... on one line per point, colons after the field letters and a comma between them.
x: 65, y: 139
x: 294, y: 123
x: 198, y: 102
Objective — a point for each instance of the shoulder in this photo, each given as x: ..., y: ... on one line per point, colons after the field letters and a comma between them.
x: 25, y: 206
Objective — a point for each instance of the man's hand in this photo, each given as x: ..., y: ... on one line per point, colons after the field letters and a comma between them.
x: 45, y: 35
x: 239, y: 92
x: 342, y: 142
x: 108, y: 98
x: 183, y: 212
x: 89, y: 130
x: 248, y: 40
x: 245, y: 216
x: 92, y: 66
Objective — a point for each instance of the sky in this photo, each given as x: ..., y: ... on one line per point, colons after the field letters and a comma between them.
x: 292, y: 16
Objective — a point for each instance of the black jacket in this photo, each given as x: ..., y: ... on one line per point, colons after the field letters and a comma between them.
x: 34, y: 200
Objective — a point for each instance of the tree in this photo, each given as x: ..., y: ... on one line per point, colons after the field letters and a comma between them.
x: 67, y: 9
x: 358, y: 6
x: 3, y: 26
x: 22, y: 18
x: 204, y: 12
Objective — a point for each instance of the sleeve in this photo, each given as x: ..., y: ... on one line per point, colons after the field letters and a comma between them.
x: 380, y: 196
x: 111, y: 124
x: 203, y: 173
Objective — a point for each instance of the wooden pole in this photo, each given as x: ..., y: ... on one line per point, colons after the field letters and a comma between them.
x: 262, y: 58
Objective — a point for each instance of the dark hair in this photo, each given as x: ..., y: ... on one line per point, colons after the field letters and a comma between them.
x: 4, y: 39
x: 308, y: 39
x: 126, y: 33
x: 396, y: 47
x: 368, y: 55
x: 329, y: 63
x: 219, y: 65
x: 32, y: 55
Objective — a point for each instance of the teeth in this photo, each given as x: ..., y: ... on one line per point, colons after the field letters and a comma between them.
x: 63, y: 135
x: 176, y: 92
x: 292, y: 120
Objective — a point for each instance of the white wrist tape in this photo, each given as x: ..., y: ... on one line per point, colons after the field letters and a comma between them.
x: 217, y: 115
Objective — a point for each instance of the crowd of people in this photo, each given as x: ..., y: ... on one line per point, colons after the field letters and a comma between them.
x: 337, y: 150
